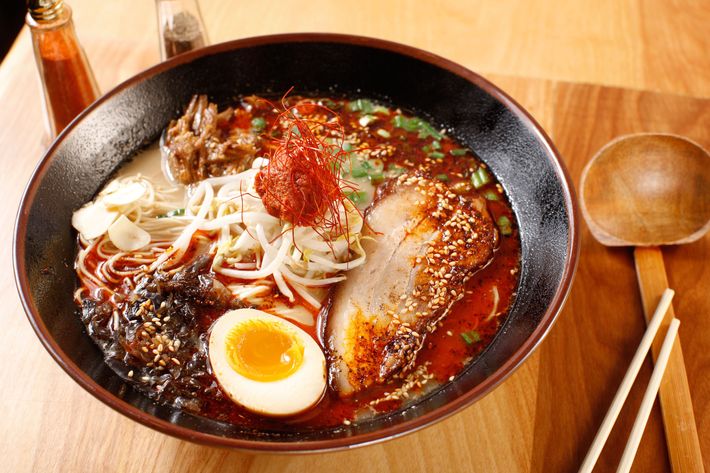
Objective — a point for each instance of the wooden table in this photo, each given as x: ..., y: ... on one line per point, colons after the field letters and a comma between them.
x: 588, y: 71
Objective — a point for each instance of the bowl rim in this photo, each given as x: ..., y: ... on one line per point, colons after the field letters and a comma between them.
x: 302, y: 446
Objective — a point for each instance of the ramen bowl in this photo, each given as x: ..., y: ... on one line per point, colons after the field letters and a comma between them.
x: 133, y: 115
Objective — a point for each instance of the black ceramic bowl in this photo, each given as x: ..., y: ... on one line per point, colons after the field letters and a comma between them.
x: 133, y: 115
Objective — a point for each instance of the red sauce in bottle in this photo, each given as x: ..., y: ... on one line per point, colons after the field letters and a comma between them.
x: 67, y: 80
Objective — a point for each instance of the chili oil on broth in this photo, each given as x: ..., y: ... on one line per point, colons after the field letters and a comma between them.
x: 381, y: 144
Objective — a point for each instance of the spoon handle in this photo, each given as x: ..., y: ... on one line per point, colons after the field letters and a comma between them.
x: 676, y: 404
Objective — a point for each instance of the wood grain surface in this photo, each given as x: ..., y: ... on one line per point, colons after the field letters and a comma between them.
x: 544, y: 416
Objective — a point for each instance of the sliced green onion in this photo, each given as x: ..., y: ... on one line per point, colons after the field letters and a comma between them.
x: 361, y: 105
x: 480, y: 178
x: 442, y: 177
x: 490, y: 195
x: 366, y: 106
x: 258, y: 123
x: 458, y: 152
x: 376, y: 176
x: 436, y: 144
x: 356, y: 197
x: 399, y: 121
x: 471, y: 337
x: 358, y: 172
x: 436, y: 155
x: 366, y: 120
x: 424, y: 129
x: 383, y: 133
x: 381, y: 109
x: 347, y: 146
x: 504, y: 225
x: 393, y: 170
x: 173, y: 213
x: 329, y: 103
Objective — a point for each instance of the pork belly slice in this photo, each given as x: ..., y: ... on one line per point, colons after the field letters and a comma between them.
x: 424, y: 243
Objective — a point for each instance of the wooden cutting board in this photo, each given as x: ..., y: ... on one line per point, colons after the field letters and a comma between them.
x: 541, y: 419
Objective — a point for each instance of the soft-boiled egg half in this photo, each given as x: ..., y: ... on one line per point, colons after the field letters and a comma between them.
x: 265, y: 363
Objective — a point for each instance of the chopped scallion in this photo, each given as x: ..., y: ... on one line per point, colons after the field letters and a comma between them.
x: 490, y: 195
x: 258, y: 123
x: 347, y: 146
x: 356, y: 197
x: 376, y: 176
x: 361, y: 105
x: 383, y: 133
x: 458, y: 152
x: 366, y: 106
x: 436, y: 144
x: 399, y: 121
x: 329, y: 103
x: 471, y: 337
x: 424, y: 129
x: 436, y: 155
x: 366, y: 120
x: 173, y: 213
x: 480, y: 178
x: 393, y: 170
x: 442, y: 177
x: 504, y: 225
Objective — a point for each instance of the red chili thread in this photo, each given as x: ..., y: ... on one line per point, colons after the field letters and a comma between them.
x: 302, y: 183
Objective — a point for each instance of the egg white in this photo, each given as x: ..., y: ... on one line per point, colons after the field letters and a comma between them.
x: 284, y: 397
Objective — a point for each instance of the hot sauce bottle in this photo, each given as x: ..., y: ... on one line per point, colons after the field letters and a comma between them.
x: 67, y: 80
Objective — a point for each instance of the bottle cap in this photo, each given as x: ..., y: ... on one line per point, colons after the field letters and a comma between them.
x: 45, y: 10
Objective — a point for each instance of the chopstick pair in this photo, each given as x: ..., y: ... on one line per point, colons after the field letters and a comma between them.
x: 648, y: 398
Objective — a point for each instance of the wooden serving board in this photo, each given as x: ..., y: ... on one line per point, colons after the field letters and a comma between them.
x: 542, y: 419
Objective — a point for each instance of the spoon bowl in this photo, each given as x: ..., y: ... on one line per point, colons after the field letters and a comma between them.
x: 647, y: 190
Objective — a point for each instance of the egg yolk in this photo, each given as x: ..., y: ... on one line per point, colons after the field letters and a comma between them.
x: 263, y: 351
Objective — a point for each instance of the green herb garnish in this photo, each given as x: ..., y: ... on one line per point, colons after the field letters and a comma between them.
x: 505, y: 225
x: 442, y: 177
x: 458, y: 152
x: 393, y: 170
x: 471, y: 337
x: 383, y: 133
x: 173, y: 213
x: 361, y: 105
x: 414, y: 124
x: 480, y: 178
x: 490, y: 195
x: 356, y: 197
x: 258, y: 123
x: 366, y: 106
x: 436, y: 155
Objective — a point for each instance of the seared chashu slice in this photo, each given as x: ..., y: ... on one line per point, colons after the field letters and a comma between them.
x: 424, y: 243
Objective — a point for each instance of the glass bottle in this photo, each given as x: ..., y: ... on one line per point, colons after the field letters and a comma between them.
x: 180, y: 27
x: 67, y: 80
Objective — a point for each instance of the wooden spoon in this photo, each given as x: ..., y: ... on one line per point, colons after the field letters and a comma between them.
x: 648, y: 190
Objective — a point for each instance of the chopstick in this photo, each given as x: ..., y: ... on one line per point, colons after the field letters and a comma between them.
x: 625, y: 387
x: 648, y: 398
